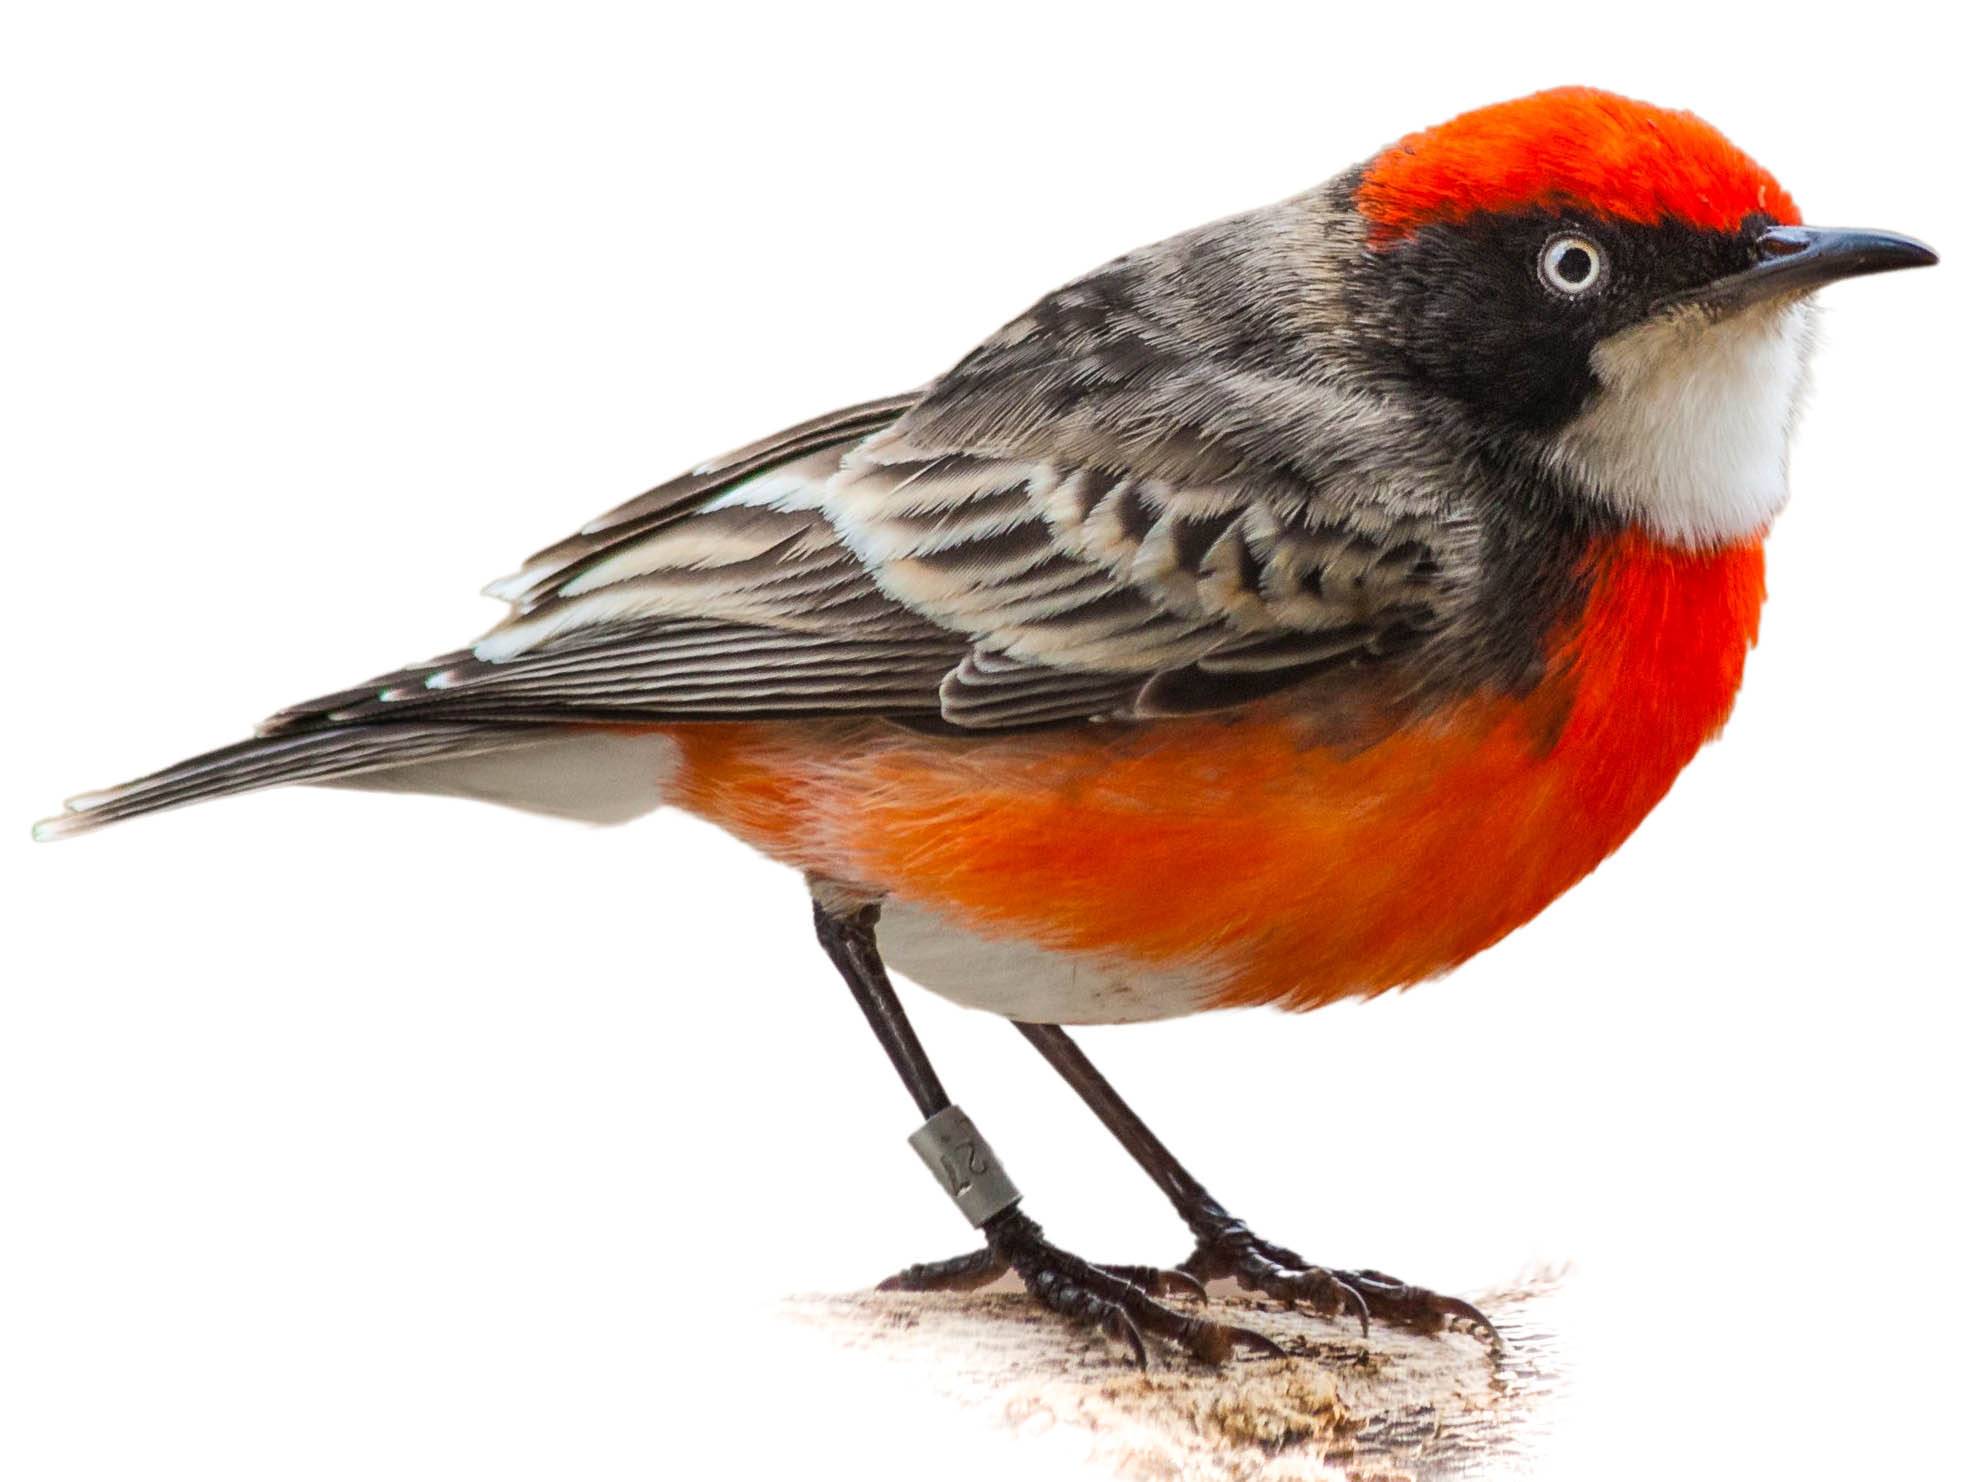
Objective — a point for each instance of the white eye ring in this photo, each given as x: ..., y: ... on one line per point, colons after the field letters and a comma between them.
x: 1571, y: 265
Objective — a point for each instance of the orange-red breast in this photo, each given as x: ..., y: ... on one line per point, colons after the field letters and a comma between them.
x: 1371, y: 562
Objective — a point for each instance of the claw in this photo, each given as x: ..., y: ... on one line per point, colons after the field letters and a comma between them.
x: 1423, y: 1309
x: 1122, y: 1329
x: 1182, y: 1283
x: 1261, y: 1342
x: 1364, y: 1308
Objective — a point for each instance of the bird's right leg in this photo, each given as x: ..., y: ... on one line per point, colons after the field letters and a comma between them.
x: 1228, y: 1247
x: 1118, y: 1301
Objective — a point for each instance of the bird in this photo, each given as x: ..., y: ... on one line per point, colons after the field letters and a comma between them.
x: 1280, y: 613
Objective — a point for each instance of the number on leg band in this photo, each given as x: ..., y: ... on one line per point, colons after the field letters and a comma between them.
x: 966, y: 1166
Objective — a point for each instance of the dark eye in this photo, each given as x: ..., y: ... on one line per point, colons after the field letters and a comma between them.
x: 1571, y: 265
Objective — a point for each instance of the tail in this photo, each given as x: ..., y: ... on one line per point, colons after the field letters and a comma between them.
x: 332, y: 754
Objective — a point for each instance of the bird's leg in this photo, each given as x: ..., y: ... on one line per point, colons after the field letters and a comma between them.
x: 1224, y: 1246
x: 1120, y: 1306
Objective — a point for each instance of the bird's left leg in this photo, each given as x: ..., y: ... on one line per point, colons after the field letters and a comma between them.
x: 1227, y: 1247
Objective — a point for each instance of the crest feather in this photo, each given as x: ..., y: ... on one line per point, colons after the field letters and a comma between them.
x: 1569, y: 149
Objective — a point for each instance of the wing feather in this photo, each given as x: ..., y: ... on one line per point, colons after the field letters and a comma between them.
x: 542, y: 573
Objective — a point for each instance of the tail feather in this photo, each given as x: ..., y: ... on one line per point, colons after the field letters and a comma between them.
x: 326, y: 755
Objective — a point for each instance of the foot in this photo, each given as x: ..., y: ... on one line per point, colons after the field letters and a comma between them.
x: 1120, y: 1301
x: 1236, y: 1251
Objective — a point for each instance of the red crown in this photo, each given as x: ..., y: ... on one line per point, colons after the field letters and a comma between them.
x: 1569, y: 149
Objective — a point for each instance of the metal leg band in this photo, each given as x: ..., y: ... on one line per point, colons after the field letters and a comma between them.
x: 966, y: 1166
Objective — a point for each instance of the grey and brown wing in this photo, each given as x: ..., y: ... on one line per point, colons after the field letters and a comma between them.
x: 942, y: 585
x: 1123, y: 505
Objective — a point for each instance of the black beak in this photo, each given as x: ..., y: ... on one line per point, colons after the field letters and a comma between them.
x: 1797, y: 259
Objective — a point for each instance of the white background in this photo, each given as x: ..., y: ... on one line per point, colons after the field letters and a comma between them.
x: 354, y: 1136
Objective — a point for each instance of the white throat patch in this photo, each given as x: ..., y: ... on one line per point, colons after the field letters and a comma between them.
x: 1690, y: 430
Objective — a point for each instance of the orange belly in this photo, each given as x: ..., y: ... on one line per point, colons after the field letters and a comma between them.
x: 1237, y: 849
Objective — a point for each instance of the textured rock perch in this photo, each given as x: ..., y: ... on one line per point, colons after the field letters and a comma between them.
x: 1399, y: 1408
